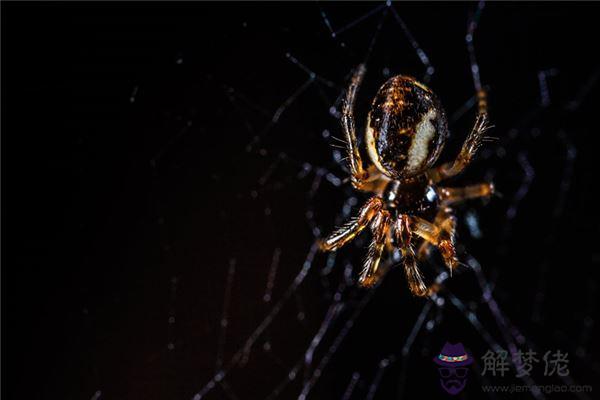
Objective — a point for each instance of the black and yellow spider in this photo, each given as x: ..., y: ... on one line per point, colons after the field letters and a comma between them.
x: 406, y: 131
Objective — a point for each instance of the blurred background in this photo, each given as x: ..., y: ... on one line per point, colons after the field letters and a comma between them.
x: 167, y: 168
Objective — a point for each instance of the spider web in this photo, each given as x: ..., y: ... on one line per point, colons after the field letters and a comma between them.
x: 313, y: 333
x: 187, y: 266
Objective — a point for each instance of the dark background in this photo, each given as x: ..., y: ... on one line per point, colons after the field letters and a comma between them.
x: 119, y: 214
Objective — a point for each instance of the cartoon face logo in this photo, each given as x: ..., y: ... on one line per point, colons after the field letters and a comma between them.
x: 452, y: 366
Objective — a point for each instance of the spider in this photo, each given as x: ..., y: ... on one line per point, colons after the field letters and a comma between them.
x: 406, y: 131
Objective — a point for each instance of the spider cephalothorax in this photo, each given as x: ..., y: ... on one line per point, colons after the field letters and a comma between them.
x: 406, y: 131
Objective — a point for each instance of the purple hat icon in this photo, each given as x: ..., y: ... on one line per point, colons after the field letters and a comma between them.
x: 453, y: 355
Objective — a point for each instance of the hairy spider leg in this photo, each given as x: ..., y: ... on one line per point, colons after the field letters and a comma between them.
x: 440, y: 235
x: 380, y: 227
x: 467, y: 152
x: 414, y: 277
x: 350, y: 229
x: 445, y: 220
x: 359, y: 176
x: 455, y: 195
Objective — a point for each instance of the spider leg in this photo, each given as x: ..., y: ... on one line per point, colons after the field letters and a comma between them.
x: 380, y: 227
x: 414, y: 277
x: 440, y: 234
x: 468, y: 150
x: 455, y: 195
x: 445, y: 220
x: 349, y: 230
x: 359, y: 175
x: 482, y: 104
x: 389, y: 245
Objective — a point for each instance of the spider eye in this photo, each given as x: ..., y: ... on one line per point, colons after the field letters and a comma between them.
x: 431, y: 194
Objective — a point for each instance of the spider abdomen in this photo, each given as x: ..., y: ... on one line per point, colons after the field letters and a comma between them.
x: 406, y: 128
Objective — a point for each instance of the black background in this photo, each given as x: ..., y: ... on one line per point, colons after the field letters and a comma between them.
x: 118, y: 215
